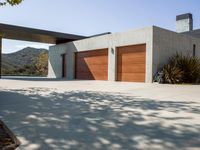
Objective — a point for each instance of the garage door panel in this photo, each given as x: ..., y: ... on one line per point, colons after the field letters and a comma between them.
x: 93, y: 57
x: 92, y: 65
x: 94, y: 61
x: 91, y: 76
x: 131, y: 77
x: 131, y: 63
x: 129, y: 49
x: 85, y: 76
x: 138, y: 68
x: 94, y: 72
x: 98, y: 73
x: 86, y: 68
x: 93, y: 53
x: 135, y: 56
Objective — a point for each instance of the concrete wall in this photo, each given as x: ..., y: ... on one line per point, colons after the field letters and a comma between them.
x: 184, y: 25
x: 110, y: 41
x: 160, y: 45
x: 167, y: 43
x: 55, y: 60
x: 193, y: 33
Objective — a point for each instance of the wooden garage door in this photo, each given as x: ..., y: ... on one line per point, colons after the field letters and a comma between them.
x: 131, y: 63
x: 92, y: 65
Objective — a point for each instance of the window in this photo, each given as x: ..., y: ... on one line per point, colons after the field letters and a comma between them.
x: 194, y: 50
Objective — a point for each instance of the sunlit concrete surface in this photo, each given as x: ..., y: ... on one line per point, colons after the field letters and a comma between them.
x: 59, y: 115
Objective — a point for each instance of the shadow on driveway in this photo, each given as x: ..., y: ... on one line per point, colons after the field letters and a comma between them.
x: 46, y: 119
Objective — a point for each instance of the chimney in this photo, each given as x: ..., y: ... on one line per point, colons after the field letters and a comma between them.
x: 184, y: 23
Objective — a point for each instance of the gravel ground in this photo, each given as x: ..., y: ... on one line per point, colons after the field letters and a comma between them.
x: 58, y: 114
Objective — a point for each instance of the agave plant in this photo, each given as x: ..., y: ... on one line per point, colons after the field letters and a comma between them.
x: 191, y: 69
x: 172, y: 74
x: 181, y: 69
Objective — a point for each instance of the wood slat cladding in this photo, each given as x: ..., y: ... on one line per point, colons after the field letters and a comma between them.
x: 91, y: 65
x: 131, y: 63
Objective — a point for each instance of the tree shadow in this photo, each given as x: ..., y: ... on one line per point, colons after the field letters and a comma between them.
x: 32, y: 78
x: 47, y: 119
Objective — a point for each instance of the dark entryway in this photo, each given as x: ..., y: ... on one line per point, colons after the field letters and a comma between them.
x: 64, y: 65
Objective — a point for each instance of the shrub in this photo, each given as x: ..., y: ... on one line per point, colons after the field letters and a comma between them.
x: 180, y: 69
x: 172, y: 74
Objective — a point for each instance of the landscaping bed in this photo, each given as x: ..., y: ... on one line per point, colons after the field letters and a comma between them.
x: 180, y: 69
x: 8, y: 140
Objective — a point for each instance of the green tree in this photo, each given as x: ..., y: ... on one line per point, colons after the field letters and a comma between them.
x: 42, y: 64
x: 10, y: 2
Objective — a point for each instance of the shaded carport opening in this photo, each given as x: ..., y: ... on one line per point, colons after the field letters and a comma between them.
x: 33, y: 35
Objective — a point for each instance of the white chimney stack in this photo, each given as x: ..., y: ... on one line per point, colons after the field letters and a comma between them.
x: 184, y: 23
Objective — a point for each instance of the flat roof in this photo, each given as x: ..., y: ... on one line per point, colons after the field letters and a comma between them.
x: 36, y: 35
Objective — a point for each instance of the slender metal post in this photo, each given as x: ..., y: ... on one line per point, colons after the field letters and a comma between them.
x: 0, y: 54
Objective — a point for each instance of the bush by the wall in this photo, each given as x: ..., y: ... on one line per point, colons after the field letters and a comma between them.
x: 180, y: 69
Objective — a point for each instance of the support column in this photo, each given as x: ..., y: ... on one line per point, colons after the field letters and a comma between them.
x: 0, y: 54
x: 112, y: 64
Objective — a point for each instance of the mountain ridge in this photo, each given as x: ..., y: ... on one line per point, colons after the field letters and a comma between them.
x: 14, y: 63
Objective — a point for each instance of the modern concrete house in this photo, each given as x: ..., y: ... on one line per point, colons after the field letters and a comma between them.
x: 133, y: 56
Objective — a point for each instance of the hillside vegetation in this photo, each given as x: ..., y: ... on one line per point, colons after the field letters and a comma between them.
x: 28, y: 61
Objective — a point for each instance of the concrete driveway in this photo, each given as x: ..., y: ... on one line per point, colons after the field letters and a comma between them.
x: 102, y: 115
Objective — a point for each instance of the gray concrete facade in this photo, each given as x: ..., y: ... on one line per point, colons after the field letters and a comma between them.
x: 160, y: 45
x: 194, y: 33
x: 167, y: 43
x: 110, y: 41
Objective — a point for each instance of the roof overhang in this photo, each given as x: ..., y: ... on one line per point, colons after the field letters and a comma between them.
x: 36, y: 35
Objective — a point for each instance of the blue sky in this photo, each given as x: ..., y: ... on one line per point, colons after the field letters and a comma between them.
x: 89, y: 17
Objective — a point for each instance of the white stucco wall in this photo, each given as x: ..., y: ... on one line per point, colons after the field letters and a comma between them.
x: 110, y: 41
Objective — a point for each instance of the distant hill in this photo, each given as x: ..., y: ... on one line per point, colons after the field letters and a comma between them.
x: 24, y: 62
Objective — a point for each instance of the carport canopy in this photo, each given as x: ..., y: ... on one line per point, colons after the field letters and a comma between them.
x: 34, y: 35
